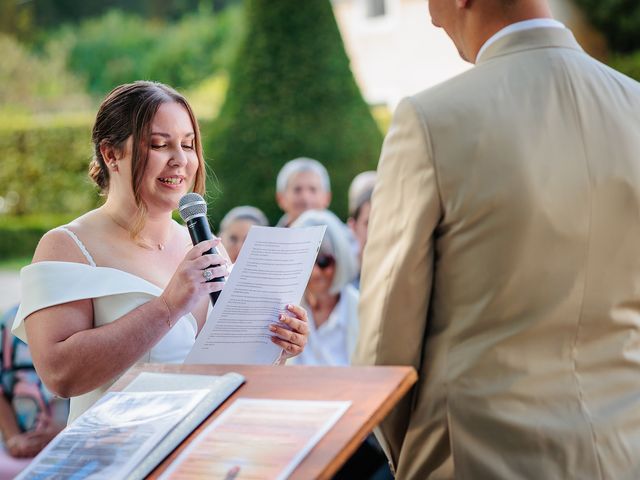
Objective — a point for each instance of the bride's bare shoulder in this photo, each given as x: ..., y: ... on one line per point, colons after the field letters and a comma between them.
x: 59, y: 243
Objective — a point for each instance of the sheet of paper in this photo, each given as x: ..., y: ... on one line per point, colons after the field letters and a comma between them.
x: 272, y: 270
x: 113, y: 436
x: 257, y: 439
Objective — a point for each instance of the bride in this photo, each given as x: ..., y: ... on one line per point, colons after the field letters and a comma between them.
x: 122, y: 283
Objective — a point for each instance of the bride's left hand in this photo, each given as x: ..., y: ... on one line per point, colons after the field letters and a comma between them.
x: 291, y: 333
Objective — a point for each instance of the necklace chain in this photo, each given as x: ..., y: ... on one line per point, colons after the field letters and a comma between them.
x: 159, y: 245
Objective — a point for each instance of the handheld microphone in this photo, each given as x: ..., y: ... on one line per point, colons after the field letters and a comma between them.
x: 193, y: 210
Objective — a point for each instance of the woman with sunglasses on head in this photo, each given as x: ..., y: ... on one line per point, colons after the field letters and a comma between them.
x: 330, y: 298
x: 122, y: 283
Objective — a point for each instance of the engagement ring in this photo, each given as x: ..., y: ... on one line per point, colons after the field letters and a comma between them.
x: 207, y: 274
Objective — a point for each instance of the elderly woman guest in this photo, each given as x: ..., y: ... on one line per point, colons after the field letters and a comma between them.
x: 331, y: 300
x: 122, y: 284
x: 235, y: 226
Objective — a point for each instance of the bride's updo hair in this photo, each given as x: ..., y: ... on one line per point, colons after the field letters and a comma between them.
x: 126, y: 112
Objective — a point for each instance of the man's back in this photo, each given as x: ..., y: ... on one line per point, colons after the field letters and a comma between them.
x: 531, y: 351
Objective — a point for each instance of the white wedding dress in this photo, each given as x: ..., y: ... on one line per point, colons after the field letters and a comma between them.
x: 114, y: 294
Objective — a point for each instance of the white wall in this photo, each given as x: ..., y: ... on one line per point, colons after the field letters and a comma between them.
x: 396, y: 55
x: 403, y: 53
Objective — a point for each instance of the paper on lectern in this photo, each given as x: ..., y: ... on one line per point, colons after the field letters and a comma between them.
x: 257, y: 438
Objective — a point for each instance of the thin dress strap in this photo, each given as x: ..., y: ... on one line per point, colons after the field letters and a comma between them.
x: 81, y: 246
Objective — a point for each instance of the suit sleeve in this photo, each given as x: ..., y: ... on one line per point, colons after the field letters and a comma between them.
x: 398, y: 260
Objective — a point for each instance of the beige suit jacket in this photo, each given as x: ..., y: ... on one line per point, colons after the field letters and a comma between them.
x: 503, y: 263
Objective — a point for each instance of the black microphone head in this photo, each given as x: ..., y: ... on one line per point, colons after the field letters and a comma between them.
x: 191, y: 206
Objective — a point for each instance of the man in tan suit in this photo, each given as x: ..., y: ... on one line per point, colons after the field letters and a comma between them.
x: 503, y: 259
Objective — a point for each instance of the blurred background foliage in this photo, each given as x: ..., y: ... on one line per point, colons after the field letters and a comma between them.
x: 618, y: 20
x: 118, y: 47
x: 290, y: 93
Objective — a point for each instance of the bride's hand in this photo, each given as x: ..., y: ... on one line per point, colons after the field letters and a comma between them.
x: 291, y: 333
x: 189, y: 283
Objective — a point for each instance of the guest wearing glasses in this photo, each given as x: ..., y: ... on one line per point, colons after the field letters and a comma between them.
x: 330, y: 298
x: 235, y: 227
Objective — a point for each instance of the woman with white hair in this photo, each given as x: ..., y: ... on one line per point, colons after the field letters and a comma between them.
x: 331, y: 302
x: 330, y: 298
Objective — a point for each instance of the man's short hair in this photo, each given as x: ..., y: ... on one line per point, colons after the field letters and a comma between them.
x: 299, y: 165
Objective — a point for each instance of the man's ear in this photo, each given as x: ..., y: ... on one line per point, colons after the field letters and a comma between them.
x: 462, y: 4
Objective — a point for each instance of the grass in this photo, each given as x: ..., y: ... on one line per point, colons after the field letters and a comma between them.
x: 14, y: 263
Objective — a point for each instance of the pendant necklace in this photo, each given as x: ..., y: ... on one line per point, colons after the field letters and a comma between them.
x: 158, y: 245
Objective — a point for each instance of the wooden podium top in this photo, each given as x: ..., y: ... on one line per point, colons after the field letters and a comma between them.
x: 373, y: 391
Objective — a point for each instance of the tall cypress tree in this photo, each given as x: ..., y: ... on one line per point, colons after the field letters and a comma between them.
x: 619, y: 20
x: 291, y: 94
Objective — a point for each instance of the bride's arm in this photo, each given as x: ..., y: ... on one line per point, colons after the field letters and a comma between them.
x: 72, y: 357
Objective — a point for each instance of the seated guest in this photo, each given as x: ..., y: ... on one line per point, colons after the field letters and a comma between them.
x: 235, y: 226
x: 330, y: 299
x: 121, y: 284
x: 360, y: 192
x: 332, y: 303
x: 302, y: 184
x: 30, y: 416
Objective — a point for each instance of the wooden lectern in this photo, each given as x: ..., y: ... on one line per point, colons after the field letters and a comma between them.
x: 373, y: 391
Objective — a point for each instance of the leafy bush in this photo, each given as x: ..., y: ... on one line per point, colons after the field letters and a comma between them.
x: 619, y: 20
x: 291, y: 94
x: 44, y: 169
x: 119, y: 48
x: 37, y: 83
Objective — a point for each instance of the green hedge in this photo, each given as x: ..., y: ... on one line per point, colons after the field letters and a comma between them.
x: 44, y: 169
x: 19, y: 235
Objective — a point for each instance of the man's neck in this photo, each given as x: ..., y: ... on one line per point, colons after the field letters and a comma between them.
x: 482, y: 27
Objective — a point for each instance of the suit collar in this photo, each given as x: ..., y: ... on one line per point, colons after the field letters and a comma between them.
x: 530, y: 39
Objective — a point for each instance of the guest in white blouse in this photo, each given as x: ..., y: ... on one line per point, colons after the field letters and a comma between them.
x: 122, y: 283
x: 330, y: 298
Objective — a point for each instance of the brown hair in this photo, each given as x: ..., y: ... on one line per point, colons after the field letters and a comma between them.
x: 128, y: 111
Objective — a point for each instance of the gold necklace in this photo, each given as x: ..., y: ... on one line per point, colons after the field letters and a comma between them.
x: 143, y: 243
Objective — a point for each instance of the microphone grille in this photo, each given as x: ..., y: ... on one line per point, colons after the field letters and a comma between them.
x: 192, y: 205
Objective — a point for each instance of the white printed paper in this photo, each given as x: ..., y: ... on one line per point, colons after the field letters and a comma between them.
x: 272, y: 270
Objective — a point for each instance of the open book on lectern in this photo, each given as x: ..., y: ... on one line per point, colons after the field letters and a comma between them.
x: 127, y: 434
x: 272, y: 270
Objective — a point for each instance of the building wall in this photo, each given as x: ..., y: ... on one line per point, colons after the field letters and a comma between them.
x: 402, y: 53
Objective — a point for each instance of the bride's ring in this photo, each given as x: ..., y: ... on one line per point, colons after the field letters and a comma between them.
x: 207, y: 274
